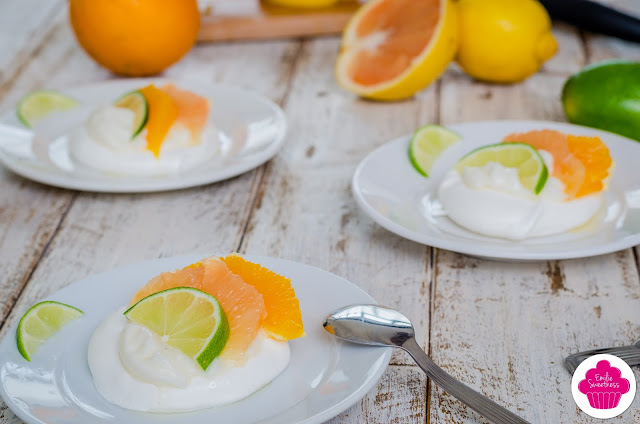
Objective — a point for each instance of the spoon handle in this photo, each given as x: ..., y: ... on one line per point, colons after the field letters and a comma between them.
x: 474, y: 400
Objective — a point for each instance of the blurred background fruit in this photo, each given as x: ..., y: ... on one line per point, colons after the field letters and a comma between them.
x: 504, y: 41
x: 305, y: 4
x: 605, y: 95
x: 391, y: 49
x: 135, y: 37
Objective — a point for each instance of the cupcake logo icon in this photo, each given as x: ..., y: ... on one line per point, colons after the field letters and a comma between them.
x: 603, y: 386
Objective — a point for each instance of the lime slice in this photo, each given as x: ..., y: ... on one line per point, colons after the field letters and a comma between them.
x: 187, y: 319
x: 532, y: 171
x: 37, y: 105
x: 40, y: 322
x: 137, y: 103
x: 427, y: 143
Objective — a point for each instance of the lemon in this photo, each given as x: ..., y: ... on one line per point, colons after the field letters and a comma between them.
x: 392, y: 49
x: 427, y: 143
x: 504, y: 41
x: 186, y: 318
x: 37, y: 105
x: 532, y: 171
x: 39, y: 323
x: 137, y: 103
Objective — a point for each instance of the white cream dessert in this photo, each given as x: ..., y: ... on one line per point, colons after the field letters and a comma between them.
x: 133, y: 368
x: 174, y: 137
x: 207, y: 335
x: 491, y: 199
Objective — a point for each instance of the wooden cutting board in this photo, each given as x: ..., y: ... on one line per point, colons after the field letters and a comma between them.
x: 225, y: 20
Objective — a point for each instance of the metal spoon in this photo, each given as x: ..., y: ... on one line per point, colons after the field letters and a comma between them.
x: 379, y: 326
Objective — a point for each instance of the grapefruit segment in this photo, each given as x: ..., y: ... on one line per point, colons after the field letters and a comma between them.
x: 283, y: 320
x: 190, y: 276
x: 583, y: 164
x: 241, y: 302
x: 393, y: 48
x: 193, y: 110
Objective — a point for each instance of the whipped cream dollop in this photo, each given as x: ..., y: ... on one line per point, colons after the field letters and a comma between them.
x: 104, y: 143
x: 133, y: 368
x: 490, y: 200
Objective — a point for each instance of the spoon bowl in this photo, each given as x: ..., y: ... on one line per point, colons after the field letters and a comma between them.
x: 371, y: 325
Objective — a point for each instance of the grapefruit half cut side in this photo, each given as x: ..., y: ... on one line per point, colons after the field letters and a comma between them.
x: 391, y: 49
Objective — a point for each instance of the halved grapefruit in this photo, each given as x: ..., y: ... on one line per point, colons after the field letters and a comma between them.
x: 391, y: 49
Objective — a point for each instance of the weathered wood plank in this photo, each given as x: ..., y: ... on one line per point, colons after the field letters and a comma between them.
x: 23, y: 25
x: 505, y: 328
x: 305, y: 210
x: 398, y: 400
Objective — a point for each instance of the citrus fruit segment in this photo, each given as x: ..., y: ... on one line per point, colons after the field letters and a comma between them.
x: 393, y: 48
x: 576, y: 160
x: 284, y: 319
x: 427, y: 143
x: 193, y: 110
x: 594, y: 156
x: 163, y: 112
x: 136, y: 103
x: 242, y: 303
x: 35, y: 106
x: 40, y: 322
x: 532, y: 171
x: 186, y: 318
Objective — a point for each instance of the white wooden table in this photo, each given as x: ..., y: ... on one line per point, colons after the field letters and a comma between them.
x: 503, y: 328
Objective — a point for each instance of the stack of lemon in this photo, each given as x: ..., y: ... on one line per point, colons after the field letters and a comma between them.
x: 393, y: 48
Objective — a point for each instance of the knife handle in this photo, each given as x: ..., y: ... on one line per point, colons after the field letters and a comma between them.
x: 595, y: 17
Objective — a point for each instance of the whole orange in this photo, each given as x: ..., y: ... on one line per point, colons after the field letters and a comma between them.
x: 135, y: 37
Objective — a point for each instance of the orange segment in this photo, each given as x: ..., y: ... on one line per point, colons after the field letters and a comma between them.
x: 162, y: 114
x: 595, y: 157
x: 193, y: 110
x: 566, y: 167
x: 241, y: 302
x: 284, y: 320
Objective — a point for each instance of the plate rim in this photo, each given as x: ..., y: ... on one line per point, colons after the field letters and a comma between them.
x: 489, y: 252
x: 356, y: 395
x: 154, y: 184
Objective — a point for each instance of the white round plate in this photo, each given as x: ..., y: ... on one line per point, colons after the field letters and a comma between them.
x: 251, y: 128
x: 324, y: 378
x: 392, y: 192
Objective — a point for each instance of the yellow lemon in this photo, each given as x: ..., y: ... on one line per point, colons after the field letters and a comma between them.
x: 504, y: 40
x: 391, y: 49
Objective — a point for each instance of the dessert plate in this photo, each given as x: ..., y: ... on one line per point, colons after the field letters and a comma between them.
x: 324, y: 377
x: 251, y: 129
x: 404, y: 202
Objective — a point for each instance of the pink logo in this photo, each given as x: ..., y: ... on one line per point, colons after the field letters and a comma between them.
x: 604, y: 386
